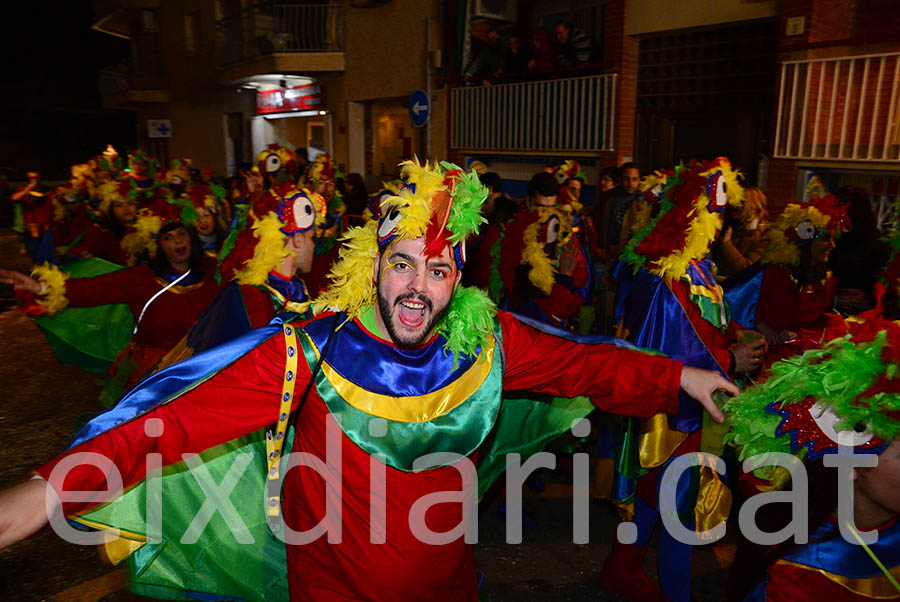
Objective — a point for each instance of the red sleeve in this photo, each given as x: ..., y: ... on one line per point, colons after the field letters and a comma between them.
x: 561, y: 302
x: 777, y: 305
x: 580, y: 275
x: 125, y: 286
x: 617, y: 380
x: 258, y: 304
x: 817, y: 301
x: 239, y: 400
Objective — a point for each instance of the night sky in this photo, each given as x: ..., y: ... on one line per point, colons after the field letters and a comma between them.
x: 52, y: 116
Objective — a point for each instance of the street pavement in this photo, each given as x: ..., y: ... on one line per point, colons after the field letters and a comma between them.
x: 41, y: 401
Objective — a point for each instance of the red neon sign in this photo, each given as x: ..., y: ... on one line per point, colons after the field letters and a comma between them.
x: 299, y: 98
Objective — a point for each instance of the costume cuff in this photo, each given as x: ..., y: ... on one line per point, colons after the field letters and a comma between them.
x: 53, y: 287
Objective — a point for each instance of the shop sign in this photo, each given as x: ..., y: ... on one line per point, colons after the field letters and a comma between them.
x: 299, y: 98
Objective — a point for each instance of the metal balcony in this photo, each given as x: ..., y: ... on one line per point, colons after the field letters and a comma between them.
x: 574, y: 114
x: 843, y: 108
x: 270, y: 28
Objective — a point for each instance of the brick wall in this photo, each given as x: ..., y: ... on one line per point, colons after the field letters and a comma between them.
x: 620, y: 55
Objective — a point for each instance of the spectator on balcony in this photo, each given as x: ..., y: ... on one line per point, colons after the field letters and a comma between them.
x: 489, y: 62
x: 542, y: 50
x: 575, y: 46
x: 517, y: 55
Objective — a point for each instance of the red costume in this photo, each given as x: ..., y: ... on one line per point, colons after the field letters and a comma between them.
x: 247, y: 397
x: 165, y: 321
x: 783, y: 305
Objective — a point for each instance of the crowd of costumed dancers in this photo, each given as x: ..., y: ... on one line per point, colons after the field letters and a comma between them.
x: 433, y: 306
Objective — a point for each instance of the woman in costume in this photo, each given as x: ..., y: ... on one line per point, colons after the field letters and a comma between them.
x: 845, y: 394
x: 797, y: 288
x: 165, y: 297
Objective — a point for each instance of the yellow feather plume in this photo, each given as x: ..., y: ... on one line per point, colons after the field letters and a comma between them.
x: 782, y: 250
x: 54, y: 297
x: 415, y: 206
x: 702, y: 230
x: 352, y: 286
x: 142, y: 238
x: 542, y: 273
x: 704, y: 226
x: 270, y: 251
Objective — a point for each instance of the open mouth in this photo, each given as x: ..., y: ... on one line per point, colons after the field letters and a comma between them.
x: 411, y: 313
x: 181, y: 251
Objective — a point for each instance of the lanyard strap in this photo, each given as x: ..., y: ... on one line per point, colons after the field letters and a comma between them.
x: 153, y: 298
x: 274, y: 444
x: 872, y: 555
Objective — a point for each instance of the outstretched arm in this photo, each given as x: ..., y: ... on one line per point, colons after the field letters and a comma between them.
x: 617, y: 380
x: 23, y: 511
x: 19, y: 281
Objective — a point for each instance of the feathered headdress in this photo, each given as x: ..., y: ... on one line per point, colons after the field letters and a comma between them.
x: 846, y: 393
x: 141, y: 237
x: 274, y: 158
x: 322, y: 168
x: 800, y: 224
x: 440, y: 202
x: 570, y: 168
x: 373, y: 203
x: 179, y: 172
x: 256, y: 246
x: 689, y: 218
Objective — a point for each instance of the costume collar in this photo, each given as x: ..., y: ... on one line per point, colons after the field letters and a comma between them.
x: 291, y: 288
x: 169, y: 276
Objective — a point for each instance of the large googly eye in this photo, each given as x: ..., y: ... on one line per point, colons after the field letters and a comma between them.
x: 553, y: 229
x: 273, y: 163
x: 826, y: 420
x: 721, y: 192
x: 304, y: 213
x: 805, y: 230
x: 389, y: 223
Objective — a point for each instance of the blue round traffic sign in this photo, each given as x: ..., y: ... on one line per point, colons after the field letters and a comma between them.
x: 419, y: 108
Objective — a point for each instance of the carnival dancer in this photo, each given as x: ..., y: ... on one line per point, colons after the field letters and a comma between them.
x: 37, y: 217
x: 262, y: 262
x: 845, y: 394
x: 412, y: 364
x: 521, y: 262
x: 320, y: 178
x: 787, y: 295
x: 668, y: 299
x: 164, y: 297
x: 208, y: 220
x: 144, y: 177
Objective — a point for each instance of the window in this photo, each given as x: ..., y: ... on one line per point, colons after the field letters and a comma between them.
x: 192, y: 32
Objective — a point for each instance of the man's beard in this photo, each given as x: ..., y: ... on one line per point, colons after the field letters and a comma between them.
x: 408, y: 340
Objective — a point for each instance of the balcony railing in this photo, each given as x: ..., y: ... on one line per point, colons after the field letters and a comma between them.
x: 575, y: 114
x: 268, y: 28
x: 839, y: 108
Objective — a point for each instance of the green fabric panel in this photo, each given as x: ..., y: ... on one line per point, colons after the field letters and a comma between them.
x: 460, y: 431
x: 527, y: 423
x: 217, y: 564
x: 89, y: 337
